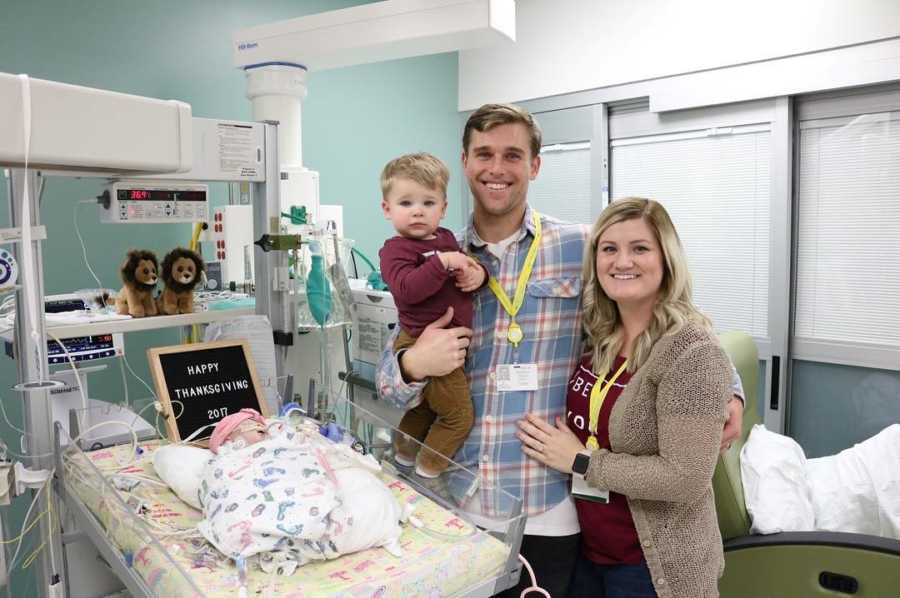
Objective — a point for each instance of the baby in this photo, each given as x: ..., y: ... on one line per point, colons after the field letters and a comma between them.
x: 239, y: 429
x: 426, y: 273
x: 287, y: 496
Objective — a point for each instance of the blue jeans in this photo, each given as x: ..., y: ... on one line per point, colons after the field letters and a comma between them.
x: 591, y: 580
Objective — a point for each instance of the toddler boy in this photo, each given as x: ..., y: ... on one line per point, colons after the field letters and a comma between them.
x: 426, y: 273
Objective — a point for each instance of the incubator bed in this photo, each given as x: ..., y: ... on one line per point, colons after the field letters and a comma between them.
x: 144, y: 534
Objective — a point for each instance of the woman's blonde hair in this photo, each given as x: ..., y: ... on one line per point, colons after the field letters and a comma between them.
x: 673, y: 308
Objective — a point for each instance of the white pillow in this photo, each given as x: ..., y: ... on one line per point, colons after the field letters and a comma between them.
x: 773, y: 470
x: 181, y: 468
x: 372, y: 507
x: 858, y: 490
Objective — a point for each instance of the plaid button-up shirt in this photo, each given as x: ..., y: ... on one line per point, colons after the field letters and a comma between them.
x: 550, y: 318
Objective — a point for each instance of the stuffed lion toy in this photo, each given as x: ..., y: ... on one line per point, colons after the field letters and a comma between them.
x: 181, y: 272
x: 139, y: 274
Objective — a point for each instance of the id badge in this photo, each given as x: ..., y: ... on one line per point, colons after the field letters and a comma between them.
x: 581, y: 489
x: 517, y: 376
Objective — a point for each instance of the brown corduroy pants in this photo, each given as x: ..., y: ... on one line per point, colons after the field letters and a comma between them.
x: 441, y: 422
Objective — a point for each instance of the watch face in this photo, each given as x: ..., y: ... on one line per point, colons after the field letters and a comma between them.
x: 580, y: 465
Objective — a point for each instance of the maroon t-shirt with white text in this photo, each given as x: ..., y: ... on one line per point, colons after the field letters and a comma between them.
x: 608, y: 535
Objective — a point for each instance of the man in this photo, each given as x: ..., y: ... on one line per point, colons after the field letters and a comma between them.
x: 525, y: 342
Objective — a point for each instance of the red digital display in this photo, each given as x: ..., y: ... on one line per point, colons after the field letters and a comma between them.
x: 160, y: 195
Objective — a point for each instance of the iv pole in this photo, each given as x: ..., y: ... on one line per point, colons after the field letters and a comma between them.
x: 32, y: 373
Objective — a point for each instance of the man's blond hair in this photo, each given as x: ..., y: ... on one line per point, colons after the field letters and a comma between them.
x: 425, y: 169
x: 493, y: 115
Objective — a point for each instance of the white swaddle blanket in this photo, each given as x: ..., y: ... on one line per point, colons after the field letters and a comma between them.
x: 296, y: 497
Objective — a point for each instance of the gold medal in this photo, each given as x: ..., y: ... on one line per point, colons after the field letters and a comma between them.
x: 514, y: 333
x: 592, y: 443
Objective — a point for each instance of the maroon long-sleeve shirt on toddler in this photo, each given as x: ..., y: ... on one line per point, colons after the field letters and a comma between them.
x: 422, y: 288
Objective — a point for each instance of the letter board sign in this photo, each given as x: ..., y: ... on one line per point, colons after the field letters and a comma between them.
x: 200, y: 383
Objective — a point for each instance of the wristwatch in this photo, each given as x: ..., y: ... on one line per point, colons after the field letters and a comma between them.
x: 581, y: 462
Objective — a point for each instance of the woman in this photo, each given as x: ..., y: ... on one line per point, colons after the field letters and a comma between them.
x: 646, y: 436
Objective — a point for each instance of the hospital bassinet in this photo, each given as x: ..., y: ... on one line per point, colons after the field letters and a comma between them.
x: 136, y: 533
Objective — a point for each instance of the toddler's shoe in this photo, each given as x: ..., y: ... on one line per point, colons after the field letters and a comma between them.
x: 435, y: 487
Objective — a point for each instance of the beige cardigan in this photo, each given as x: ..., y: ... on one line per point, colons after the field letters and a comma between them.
x: 665, y: 430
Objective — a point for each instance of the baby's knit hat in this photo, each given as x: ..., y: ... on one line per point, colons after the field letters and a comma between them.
x: 229, y: 423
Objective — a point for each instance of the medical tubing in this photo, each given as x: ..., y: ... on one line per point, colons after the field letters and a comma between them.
x: 368, y: 262
x: 84, y: 401
x: 37, y: 551
x: 124, y: 384
x: 23, y: 433
x: 195, y: 237
x: 12, y: 562
x: 533, y: 587
x: 24, y: 529
x: 134, y: 439
x: 419, y: 525
x: 87, y: 264
x: 9, y: 423
x: 141, y: 380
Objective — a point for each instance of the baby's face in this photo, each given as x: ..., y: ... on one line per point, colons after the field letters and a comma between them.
x: 250, y: 432
x: 415, y: 210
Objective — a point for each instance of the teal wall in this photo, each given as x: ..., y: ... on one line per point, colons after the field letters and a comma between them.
x: 355, y: 119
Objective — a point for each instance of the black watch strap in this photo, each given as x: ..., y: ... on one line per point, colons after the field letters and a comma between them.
x: 580, y: 465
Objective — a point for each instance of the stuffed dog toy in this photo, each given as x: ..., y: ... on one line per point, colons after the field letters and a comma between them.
x: 181, y: 272
x: 139, y: 273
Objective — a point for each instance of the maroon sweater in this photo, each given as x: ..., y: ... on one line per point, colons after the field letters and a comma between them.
x: 422, y: 288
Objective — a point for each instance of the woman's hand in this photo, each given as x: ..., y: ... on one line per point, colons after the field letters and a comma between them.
x: 555, y: 447
x: 438, y: 350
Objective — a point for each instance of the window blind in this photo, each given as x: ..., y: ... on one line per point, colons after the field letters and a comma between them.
x: 716, y: 187
x: 848, y: 271
x: 563, y: 186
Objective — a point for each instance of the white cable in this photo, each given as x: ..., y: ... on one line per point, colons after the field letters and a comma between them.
x: 137, y: 415
x: 81, y: 240
x: 124, y: 384
x: 37, y: 495
x: 23, y: 434
x: 9, y: 423
x: 420, y: 526
x: 134, y: 439
x: 141, y: 380
x: 84, y: 401
x: 533, y: 587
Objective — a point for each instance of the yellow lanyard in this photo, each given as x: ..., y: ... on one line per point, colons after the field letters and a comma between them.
x: 598, y: 395
x: 514, y: 332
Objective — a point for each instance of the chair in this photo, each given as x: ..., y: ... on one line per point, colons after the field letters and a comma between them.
x: 789, y: 564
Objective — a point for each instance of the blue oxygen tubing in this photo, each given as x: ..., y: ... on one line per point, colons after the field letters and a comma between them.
x: 374, y: 278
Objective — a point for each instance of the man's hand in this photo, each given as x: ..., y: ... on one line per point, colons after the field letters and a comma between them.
x: 733, y: 425
x: 471, y: 277
x: 454, y: 260
x: 438, y: 350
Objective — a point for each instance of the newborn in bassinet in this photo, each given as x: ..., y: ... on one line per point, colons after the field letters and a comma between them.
x: 292, y: 496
